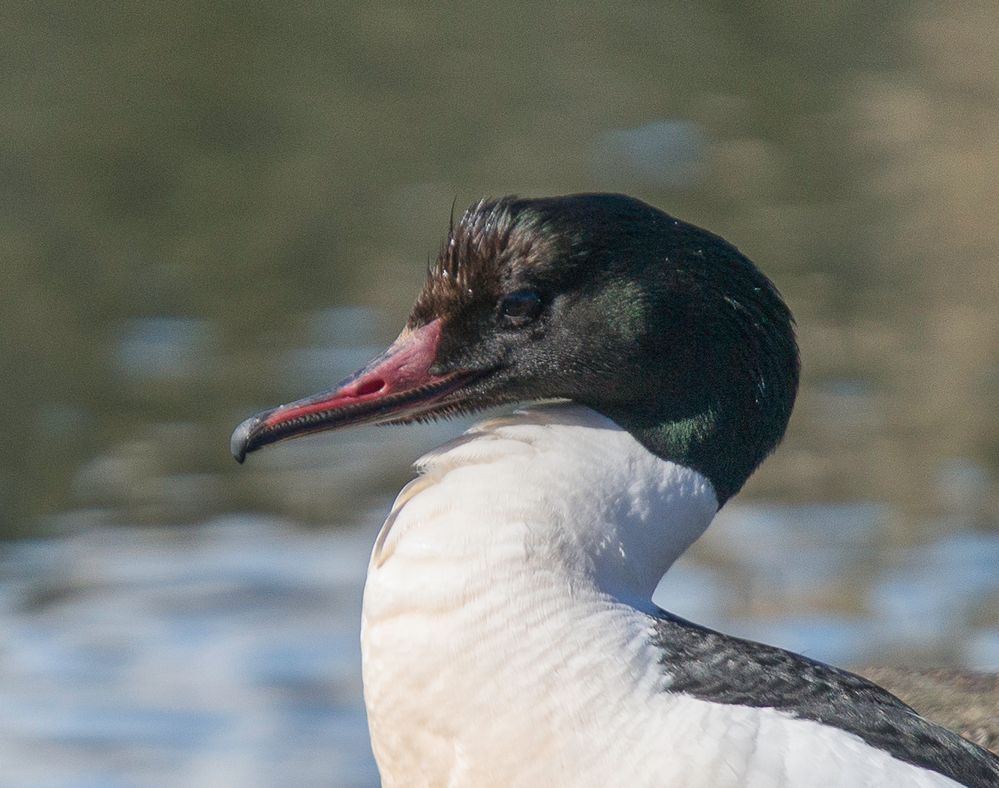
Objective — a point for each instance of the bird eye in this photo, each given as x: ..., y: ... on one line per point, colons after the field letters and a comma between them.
x: 520, y: 307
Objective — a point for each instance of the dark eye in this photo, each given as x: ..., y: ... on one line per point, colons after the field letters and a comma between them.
x: 520, y: 307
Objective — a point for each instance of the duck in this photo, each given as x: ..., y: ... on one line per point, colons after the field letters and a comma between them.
x: 508, y: 633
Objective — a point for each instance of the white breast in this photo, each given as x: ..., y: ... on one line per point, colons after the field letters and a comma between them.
x: 506, y: 629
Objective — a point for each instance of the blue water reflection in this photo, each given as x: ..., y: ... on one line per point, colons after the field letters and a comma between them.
x: 225, y: 654
x: 228, y: 653
x: 165, y: 347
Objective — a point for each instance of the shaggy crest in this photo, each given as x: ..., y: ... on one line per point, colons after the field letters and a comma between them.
x: 490, y: 243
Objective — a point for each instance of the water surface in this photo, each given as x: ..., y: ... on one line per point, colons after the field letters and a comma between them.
x: 209, y: 209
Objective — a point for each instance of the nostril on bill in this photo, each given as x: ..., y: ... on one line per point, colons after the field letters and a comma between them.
x: 372, y: 386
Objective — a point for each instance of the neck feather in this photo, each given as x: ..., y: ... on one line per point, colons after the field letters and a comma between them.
x: 559, y: 487
x: 723, y: 409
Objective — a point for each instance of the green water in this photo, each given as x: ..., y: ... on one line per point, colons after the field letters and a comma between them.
x: 212, y: 208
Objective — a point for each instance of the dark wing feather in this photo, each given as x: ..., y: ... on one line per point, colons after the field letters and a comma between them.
x: 723, y: 669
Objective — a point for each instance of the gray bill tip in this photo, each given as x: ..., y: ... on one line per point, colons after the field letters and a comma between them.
x: 240, y: 440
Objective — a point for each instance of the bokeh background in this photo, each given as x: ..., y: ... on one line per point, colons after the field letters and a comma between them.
x: 210, y: 208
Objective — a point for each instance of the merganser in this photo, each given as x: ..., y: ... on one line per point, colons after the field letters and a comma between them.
x: 508, y: 632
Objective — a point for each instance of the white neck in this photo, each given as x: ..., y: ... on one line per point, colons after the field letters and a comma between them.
x: 552, y: 525
x: 580, y: 495
x: 506, y: 636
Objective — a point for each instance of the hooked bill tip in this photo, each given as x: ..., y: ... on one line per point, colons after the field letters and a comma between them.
x: 240, y: 439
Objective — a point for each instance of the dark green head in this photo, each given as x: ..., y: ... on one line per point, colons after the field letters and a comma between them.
x: 599, y: 298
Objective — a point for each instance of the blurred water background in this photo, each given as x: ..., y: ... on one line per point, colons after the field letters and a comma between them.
x: 208, y: 209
